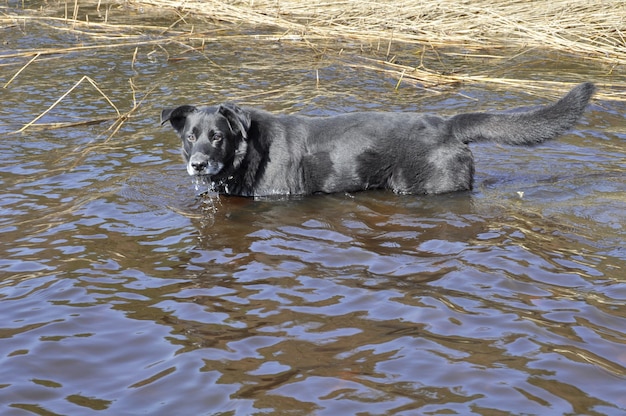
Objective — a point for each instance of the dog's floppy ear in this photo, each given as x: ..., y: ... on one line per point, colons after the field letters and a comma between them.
x: 177, y: 116
x: 238, y: 118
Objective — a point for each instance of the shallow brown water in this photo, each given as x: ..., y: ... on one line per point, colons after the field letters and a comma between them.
x: 123, y: 293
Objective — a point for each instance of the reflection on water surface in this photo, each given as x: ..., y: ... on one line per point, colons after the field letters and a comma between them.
x: 123, y: 293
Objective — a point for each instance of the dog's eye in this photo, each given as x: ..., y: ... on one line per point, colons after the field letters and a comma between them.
x: 217, y: 137
x: 191, y: 137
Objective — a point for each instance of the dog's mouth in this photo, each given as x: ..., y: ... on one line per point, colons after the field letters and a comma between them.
x: 200, y: 165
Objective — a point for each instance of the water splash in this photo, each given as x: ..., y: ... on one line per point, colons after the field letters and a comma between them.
x: 207, y: 193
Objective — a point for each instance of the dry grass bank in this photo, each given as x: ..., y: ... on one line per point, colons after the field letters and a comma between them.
x: 592, y: 29
x: 488, y: 35
x: 595, y: 32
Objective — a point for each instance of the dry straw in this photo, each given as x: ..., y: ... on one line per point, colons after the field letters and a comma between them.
x: 591, y: 30
x: 595, y: 29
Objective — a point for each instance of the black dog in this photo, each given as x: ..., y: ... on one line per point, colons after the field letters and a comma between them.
x: 250, y: 152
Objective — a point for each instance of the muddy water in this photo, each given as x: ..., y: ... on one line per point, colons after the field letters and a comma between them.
x: 121, y: 292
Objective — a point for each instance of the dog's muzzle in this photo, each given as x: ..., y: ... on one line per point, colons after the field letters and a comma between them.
x: 199, y: 164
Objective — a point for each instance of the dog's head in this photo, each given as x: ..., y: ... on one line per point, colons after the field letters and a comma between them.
x: 214, y: 139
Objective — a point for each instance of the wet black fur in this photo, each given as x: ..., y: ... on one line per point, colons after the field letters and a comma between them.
x: 251, y: 152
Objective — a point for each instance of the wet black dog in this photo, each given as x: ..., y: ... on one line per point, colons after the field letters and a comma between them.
x: 250, y: 152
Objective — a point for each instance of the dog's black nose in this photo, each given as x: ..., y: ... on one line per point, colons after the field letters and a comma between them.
x: 199, y: 166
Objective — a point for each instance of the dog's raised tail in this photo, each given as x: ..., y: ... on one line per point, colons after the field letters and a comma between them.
x: 525, y: 127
